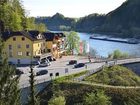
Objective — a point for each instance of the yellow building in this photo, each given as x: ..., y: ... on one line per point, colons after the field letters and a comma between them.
x: 55, y: 43
x: 22, y: 47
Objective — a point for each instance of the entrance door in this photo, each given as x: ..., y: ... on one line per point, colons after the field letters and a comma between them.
x: 18, y: 61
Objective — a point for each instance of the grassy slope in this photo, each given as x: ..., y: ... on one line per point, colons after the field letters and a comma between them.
x: 116, y: 75
x: 75, y: 92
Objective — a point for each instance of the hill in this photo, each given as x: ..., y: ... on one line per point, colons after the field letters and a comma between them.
x: 57, y: 22
x: 124, y: 20
x: 121, y: 22
x: 116, y: 75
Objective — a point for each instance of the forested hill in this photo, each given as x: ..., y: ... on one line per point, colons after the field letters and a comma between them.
x: 124, y: 20
x: 57, y: 22
x: 121, y: 22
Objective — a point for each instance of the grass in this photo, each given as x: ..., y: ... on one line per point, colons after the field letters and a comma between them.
x: 116, y: 75
x: 70, y: 77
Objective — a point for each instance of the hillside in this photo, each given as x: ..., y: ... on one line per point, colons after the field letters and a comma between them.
x: 121, y: 22
x: 116, y: 75
x: 124, y: 20
x: 57, y: 22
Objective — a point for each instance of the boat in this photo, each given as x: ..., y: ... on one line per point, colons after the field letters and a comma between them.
x: 116, y: 40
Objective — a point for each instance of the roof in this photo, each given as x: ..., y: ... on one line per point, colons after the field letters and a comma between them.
x: 32, y: 35
x: 50, y: 36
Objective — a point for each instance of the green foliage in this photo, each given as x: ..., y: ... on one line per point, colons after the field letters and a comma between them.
x: 57, y: 22
x: 114, y: 23
x: 75, y: 93
x: 57, y: 101
x: 118, y: 54
x: 72, y: 42
x: 33, y: 100
x: 97, y: 98
x: 64, y: 28
x: 14, y: 17
x: 116, y: 75
x: 9, y: 91
x: 70, y: 77
x: 41, y: 27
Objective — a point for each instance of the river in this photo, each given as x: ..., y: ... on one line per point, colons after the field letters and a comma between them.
x: 103, y: 48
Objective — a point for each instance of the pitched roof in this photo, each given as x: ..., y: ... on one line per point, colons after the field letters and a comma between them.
x: 8, y: 34
x: 32, y: 35
x: 49, y: 36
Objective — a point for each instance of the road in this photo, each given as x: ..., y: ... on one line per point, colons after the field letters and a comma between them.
x: 58, y: 66
x: 61, y: 65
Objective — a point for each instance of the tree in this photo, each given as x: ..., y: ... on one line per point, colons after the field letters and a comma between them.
x: 41, y: 27
x: 60, y: 100
x: 97, y: 98
x: 72, y: 42
x: 33, y: 100
x: 118, y: 54
x: 9, y: 91
x: 13, y: 16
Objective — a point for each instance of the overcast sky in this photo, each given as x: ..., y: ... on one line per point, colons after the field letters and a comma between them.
x: 70, y: 8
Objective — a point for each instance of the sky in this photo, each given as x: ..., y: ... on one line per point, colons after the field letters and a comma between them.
x: 69, y: 8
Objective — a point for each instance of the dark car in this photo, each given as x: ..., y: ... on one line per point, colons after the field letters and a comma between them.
x: 42, y: 72
x: 79, y: 65
x: 50, y: 58
x: 72, y: 62
x: 18, y: 72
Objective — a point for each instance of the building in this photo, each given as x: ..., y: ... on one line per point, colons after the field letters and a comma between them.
x: 55, y: 43
x: 22, y: 47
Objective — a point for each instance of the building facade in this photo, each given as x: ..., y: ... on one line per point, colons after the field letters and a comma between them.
x: 22, y: 47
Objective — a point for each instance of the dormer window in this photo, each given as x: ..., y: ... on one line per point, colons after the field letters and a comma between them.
x: 23, y: 38
x: 14, y: 38
x: 39, y: 36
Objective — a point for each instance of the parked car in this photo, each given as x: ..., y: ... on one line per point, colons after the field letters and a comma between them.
x: 72, y: 62
x: 50, y: 58
x: 42, y: 72
x: 79, y: 65
x: 18, y: 72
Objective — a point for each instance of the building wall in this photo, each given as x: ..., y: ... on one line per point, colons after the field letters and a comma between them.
x: 54, y: 51
x: 39, y: 47
x: 18, y: 48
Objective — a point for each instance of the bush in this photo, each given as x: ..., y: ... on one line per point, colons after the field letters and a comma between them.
x: 118, y: 54
x: 116, y: 75
x: 57, y: 101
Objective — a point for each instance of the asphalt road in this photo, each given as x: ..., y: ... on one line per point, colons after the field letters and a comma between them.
x: 58, y: 66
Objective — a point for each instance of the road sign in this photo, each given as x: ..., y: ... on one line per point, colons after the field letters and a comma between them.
x: 66, y: 70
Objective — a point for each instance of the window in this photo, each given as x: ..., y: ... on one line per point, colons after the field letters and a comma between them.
x: 27, y: 53
x: 27, y: 45
x: 10, y: 54
x: 10, y: 47
x: 38, y: 44
x: 23, y: 38
x: 48, y: 50
x: 14, y: 38
x: 19, y: 46
x: 18, y: 61
x: 20, y: 53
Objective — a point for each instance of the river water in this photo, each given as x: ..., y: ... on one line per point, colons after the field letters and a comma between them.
x: 103, y: 48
